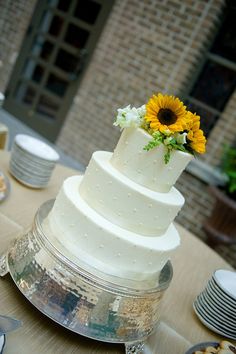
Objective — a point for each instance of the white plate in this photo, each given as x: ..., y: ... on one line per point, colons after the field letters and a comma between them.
x: 213, y: 323
x: 36, y: 147
x: 26, y: 174
x: 202, y: 346
x: 32, y: 161
x: 218, y: 310
x: 226, y: 280
x: 220, y: 301
x: 29, y: 157
x: 224, y: 323
x: 214, y: 320
x: 210, y: 326
x: 220, y: 293
x: 218, y: 306
x: 30, y: 172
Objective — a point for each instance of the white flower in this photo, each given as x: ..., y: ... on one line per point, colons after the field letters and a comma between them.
x: 181, y: 138
x: 130, y: 117
x: 142, y: 110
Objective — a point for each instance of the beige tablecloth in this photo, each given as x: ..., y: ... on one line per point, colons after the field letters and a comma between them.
x: 193, y: 265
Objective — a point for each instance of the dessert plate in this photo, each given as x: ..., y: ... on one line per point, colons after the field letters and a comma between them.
x: 221, y: 294
x: 217, y: 309
x: 214, y: 318
x: 32, y: 161
x: 211, y: 326
x: 215, y: 306
x: 201, y: 347
x: 226, y: 280
x: 36, y: 147
x: 220, y: 301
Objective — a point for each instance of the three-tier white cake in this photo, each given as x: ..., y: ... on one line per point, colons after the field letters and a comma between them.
x: 118, y: 217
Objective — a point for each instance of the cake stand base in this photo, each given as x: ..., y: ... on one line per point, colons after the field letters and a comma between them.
x: 134, y: 348
x: 85, y: 302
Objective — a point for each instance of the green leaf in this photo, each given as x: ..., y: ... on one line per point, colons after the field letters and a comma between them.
x: 156, y: 141
x: 167, y: 157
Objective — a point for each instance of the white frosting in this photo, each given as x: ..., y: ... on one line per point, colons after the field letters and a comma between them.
x: 118, y: 217
x: 103, y: 245
x: 147, y: 167
x: 126, y: 203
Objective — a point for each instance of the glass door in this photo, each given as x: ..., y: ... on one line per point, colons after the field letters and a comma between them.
x: 56, y: 50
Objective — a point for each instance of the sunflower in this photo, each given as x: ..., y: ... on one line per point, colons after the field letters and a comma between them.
x: 195, y: 134
x: 165, y: 113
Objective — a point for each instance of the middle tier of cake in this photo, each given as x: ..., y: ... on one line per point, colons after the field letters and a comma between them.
x: 126, y: 203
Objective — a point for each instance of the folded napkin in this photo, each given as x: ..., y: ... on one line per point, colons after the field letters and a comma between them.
x: 7, y: 324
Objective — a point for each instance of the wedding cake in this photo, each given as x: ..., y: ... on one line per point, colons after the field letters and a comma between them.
x: 118, y: 217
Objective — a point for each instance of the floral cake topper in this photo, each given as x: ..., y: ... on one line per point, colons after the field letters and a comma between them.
x: 168, y: 122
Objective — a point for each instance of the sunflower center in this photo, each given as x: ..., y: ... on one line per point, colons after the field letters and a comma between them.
x: 166, y: 116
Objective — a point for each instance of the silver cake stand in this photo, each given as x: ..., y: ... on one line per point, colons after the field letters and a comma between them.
x: 82, y: 299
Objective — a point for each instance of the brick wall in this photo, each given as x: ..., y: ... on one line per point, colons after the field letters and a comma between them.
x: 14, y: 19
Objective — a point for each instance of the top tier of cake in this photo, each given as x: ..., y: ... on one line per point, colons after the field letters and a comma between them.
x: 147, y: 168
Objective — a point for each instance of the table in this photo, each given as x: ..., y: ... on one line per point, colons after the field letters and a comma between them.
x: 193, y: 264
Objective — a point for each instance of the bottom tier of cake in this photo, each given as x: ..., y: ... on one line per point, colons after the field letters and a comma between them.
x: 92, y: 239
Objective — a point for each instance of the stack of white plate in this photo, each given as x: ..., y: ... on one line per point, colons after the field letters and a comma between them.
x: 216, y: 305
x: 32, y: 161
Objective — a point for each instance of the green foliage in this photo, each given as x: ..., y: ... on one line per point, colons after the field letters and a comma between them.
x: 169, y: 142
x: 229, y: 168
x: 157, y: 139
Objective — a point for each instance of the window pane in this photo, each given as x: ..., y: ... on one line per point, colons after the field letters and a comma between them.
x: 87, y: 10
x: 38, y: 73
x: 25, y: 93
x: 66, y: 61
x: 46, y: 106
x: 42, y: 48
x: 63, y: 5
x: 225, y: 42
x: 46, y: 50
x: 56, y: 85
x: 215, y: 85
x: 56, y: 25
x: 208, y: 118
x: 76, y: 36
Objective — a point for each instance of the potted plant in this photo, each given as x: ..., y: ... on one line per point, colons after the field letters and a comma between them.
x: 221, y: 226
